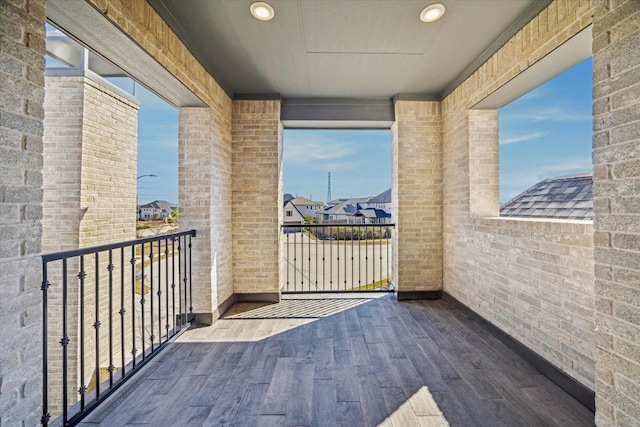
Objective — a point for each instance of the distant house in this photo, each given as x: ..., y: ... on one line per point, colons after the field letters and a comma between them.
x: 381, y: 201
x: 374, y: 215
x: 307, y: 207
x: 565, y: 197
x: 158, y: 209
x: 292, y: 216
x: 344, y: 210
x: 360, y: 210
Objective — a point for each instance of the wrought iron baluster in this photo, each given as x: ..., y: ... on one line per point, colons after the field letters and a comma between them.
x: 134, y: 283
x: 64, y: 341
x: 180, y: 282
x: 122, y: 313
x: 83, y: 384
x: 173, y: 283
x: 166, y: 287
x: 151, y: 335
x: 190, y: 281
x: 110, y: 269
x: 96, y: 324
x: 142, y: 302
x: 46, y: 416
x: 288, y: 262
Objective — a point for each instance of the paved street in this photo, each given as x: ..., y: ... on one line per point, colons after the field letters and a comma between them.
x: 322, y: 265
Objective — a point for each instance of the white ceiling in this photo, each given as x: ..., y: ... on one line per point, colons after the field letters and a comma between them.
x: 344, y: 48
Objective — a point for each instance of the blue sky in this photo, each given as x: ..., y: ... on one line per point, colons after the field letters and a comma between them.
x: 157, y: 148
x: 359, y: 162
x: 546, y: 133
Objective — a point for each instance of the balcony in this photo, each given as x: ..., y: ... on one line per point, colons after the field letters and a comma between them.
x: 340, y: 360
x: 568, y: 291
x: 338, y: 349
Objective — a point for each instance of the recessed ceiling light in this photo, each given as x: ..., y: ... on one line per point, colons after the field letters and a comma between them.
x: 432, y: 13
x: 262, y: 11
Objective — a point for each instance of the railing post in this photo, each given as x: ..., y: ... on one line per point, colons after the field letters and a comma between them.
x: 46, y: 416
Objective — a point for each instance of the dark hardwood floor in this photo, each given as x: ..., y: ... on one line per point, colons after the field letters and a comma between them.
x: 343, y: 361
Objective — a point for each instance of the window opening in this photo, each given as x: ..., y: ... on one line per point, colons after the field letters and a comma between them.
x: 545, y: 149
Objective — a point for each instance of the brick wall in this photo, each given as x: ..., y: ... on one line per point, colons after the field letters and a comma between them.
x: 142, y: 24
x: 532, y: 279
x: 417, y: 196
x: 90, y: 151
x: 257, y: 195
x: 205, y: 170
x: 21, y: 100
x: 62, y: 152
x: 616, y: 158
x: 89, y: 146
x: 109, y: 165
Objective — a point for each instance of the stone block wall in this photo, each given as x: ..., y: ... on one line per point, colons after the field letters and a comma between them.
x: 616, y: 158
x: 417, y: 196
x: 22, y: 50
x: 532, y: 279
x: 257, y: 196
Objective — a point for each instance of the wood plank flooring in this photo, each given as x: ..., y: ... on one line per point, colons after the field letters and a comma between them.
x: 340, y: 361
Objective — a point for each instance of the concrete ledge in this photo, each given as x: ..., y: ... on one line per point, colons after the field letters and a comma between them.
x: 409, y: 295
x: 226, y: 305
x: 234, y: 298
x: 259, y: 297
x: 203, y: 318
x: 579, y: 392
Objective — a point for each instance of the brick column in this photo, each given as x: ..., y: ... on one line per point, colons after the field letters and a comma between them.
x: 22, y: 51
x: 616, y: 176
x: 205, y: 204
x: 90, y: 151
x: 417, y: 198
x: 484, y: 176
x: 257, y: 199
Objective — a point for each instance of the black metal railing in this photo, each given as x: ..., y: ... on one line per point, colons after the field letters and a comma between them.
x: 135, y: 295
x: 337, y: 257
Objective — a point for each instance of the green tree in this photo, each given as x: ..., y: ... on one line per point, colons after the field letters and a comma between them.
x: 173, y: 218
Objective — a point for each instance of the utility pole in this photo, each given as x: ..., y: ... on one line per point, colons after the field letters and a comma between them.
x: 141, y: 176
x: 329, y: 189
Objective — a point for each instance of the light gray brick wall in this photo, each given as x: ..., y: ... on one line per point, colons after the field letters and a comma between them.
x: 62, y: 150
x: 616, y: 158
x: 417, y: 196
x: 205, y: 201
x: 109, y: 165
x: 531, y: 278
x: 257, y: 195
x: 21, y: 98
x: 90, y: 146
x: 140, y: 21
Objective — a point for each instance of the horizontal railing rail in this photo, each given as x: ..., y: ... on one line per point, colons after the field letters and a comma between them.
x: 329, y: 257
x: 108, y: 310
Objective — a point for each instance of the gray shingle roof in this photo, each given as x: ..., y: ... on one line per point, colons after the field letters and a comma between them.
x: 161, y: 205
x: 565, y: 197
x: 384, y: 197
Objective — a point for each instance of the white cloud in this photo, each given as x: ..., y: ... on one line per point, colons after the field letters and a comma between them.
x: 309, y: 148
x: 522, y: 138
